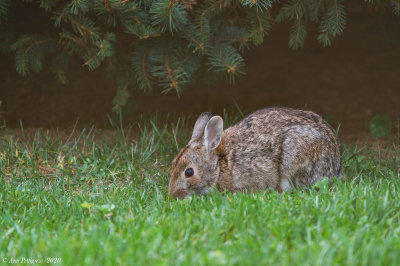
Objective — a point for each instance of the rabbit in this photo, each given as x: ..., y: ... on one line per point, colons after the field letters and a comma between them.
x: 277, y: 148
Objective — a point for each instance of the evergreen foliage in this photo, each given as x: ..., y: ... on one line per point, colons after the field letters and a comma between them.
x: 164, y: 42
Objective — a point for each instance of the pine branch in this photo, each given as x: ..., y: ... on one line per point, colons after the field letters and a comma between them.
x: 205, y: 12
x: 234, y: 36
x: 259, y: 26
x: 140, y: 63
x: 396, y: 7
x: 225, y: 59
x: 199, y: 45
x: 259, y: 4
x: 119, y: 3
x: 85, y: 28
x: 170, y: 75
x: 315, y: 8
x: 105, y: 49
x: 30, y: 51
x: 170, y: 40
x: 60, y: 17
x: 189, y: 4
x: 145, y: 74
x: 78, y: 6
x: 297, y: 34
x: 120, y: 99
x: 48, y: 5
x: 119, y: 66
x: 4, y: 5
x: 73, y: 42
x: 325, y: 35
x: 333, y: 22
x: 339, y: 18
x: 114, y: 12
x: 59, y: 66
x: 169, y: 15
x: 138, y: 23
x: 197, y: 41
x: 173, y: 84
x: 293, y: 10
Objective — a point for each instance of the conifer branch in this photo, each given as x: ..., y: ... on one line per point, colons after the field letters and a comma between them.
x: 199, y: 44
x: 173, y: 82
x: 93, y: 58
x: 120, y: 3
x: 396, y: 7
x: 260, y: 28
x: 4, y: 5
x: 107, y: 5
x: 227, y: 60
x: 298, y: 30
x: 25, y: 57
x: 82, y: 28
x: 146, y: 79
x: 194, y: 33
x: 337, y: 14
x: 141, y: 67
x: 184, y: 61
x: 170, y: 5
x: 62, y: 14
x: 76, y: 40
x: 204, y: 13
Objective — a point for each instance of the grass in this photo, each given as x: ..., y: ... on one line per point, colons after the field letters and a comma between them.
x: 95, y: 197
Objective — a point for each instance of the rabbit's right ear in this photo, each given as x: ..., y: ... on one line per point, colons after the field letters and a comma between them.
x: 213, y: 133
x: 201, y: 123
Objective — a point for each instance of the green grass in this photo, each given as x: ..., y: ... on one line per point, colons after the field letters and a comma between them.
x: 97, y: 197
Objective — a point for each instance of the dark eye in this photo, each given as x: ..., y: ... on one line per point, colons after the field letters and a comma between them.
x: 189, y: 172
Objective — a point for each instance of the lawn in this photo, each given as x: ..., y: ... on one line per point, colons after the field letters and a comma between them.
x: 94, y: 197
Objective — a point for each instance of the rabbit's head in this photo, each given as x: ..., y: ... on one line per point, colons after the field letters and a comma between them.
x: 195, y: 168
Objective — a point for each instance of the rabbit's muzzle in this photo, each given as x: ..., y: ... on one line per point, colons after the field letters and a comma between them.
x: 178, y: 189
x: 180, y: 194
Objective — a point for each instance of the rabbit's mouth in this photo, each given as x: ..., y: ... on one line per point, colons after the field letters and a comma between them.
x: 205, y: 191
x: 182, y: 194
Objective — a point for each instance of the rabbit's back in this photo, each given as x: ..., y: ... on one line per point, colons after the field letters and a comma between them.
x: 276, y: 147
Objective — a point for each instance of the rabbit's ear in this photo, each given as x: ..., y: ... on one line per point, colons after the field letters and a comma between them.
x: 201, y: 123
x: 213, y: 132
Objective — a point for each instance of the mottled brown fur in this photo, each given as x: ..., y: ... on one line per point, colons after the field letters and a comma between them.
x: 278, y: 148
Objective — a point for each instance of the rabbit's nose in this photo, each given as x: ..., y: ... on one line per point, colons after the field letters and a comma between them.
x: 178, y: 188
x: 179, y: 194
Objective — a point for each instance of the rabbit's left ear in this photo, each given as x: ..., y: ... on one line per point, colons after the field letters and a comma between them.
x: 200, y: 125
x: 213, y: 133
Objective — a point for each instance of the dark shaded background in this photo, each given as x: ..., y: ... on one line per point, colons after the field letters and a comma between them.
x: 355, y: 79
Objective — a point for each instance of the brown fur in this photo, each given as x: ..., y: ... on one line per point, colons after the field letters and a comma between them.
x: 278, y: 148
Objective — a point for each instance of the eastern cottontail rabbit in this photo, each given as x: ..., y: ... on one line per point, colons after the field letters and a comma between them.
x: 276, y: 148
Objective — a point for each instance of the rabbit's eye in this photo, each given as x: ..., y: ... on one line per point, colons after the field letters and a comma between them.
x: 189, y: 172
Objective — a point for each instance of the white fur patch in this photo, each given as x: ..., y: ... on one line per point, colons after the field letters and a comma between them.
x: 285, y: 184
